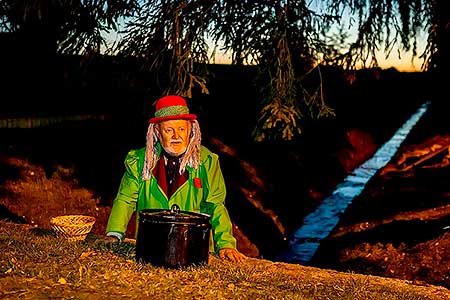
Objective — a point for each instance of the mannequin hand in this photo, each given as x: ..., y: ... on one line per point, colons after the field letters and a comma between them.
x: 111, y: 240
x: 232, y: 255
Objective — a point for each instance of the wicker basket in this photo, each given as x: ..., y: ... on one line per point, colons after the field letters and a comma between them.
x: 72, y: 227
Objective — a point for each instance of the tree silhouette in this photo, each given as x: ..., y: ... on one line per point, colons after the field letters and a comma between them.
x: 288, y: 40
x: 283, y: 39
x: 70, y: 26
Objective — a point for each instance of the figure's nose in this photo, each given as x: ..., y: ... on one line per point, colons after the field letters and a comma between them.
x: 176, y: 135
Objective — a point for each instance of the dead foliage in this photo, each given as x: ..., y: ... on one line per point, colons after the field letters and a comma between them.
x: 36, y: 264
x: 36, y: 197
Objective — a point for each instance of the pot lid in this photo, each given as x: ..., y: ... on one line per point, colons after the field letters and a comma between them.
x: 174, y: 215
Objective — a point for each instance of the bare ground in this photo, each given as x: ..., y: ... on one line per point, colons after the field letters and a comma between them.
x: 399, y: 226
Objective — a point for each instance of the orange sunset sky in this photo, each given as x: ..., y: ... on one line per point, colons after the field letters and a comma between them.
x: 402, y: 64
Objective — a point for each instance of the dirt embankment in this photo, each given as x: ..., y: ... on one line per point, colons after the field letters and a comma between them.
x: 399, y: 226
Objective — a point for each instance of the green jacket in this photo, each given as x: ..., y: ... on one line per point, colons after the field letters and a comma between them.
x: 206, y: 196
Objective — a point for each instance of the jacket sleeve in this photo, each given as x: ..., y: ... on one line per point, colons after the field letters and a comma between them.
x: 124, y: 203
x: 215, y: 205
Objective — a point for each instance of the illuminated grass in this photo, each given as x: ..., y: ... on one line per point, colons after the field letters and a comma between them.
x: 35, y: 264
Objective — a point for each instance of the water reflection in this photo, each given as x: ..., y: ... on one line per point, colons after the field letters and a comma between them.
x: 317, y: 225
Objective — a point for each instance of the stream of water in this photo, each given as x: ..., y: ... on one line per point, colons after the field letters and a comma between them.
x: 318, y: 224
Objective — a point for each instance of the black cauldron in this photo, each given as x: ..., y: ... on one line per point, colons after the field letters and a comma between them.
x: 173, y: 238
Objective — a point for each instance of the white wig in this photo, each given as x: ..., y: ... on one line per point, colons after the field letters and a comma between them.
x: 190, y: 158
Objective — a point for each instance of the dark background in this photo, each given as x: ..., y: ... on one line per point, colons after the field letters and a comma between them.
x: 118, y: 96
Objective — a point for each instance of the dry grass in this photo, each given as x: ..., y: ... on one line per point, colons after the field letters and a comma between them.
x: 36, y: 264
x: 31, y: 194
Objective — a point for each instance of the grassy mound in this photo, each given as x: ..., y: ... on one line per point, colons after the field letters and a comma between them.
x: 36, y: 264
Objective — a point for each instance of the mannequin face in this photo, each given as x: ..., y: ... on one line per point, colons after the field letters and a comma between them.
x: 174, y: 136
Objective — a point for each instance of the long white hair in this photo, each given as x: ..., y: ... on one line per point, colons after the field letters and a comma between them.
x: 191, y: 156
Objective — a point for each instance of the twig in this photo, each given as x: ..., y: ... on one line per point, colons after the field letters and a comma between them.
x: 425, y: 158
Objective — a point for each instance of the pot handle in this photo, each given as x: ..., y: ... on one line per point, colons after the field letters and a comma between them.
x: 175, y: 208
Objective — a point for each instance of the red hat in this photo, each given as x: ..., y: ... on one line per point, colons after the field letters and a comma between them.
x: 171, y: 108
